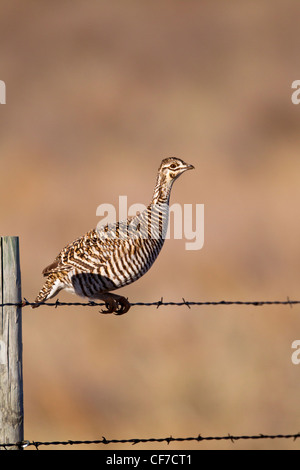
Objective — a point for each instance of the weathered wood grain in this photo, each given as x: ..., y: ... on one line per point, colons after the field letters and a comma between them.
x: 11, y: 374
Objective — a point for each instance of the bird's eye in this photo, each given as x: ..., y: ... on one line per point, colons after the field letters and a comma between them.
x: 173, y: 166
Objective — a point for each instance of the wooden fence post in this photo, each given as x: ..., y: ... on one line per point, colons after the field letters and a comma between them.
x: 11, y: 370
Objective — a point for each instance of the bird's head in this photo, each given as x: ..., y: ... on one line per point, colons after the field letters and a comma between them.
x: 170, y: 168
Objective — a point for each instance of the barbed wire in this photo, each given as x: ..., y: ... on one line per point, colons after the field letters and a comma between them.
x: 159, y: 303
x: 229, y: 437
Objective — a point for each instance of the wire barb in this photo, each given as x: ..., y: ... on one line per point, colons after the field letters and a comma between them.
x: 186, y: 303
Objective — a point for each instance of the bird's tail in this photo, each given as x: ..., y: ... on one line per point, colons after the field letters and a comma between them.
x: 51, y: 287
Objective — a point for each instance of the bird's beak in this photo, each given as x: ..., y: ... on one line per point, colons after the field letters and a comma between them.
x: 190, y: 167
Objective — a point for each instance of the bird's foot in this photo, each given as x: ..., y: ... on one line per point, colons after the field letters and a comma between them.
x: 115, y: 304
x: 110, y: 305
x: 123, y: 306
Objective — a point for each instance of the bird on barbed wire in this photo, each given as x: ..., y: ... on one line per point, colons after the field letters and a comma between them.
x: 117, y: 254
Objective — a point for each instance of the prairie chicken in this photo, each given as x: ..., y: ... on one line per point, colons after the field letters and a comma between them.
x: 117, y: 254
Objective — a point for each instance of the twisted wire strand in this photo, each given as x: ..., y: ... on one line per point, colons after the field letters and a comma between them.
x: 168, y: 440
x: 159, y: 303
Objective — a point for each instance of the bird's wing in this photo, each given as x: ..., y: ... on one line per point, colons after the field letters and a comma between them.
x: 86, y: 253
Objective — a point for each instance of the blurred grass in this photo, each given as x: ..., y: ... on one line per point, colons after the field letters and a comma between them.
x: 97, y: 94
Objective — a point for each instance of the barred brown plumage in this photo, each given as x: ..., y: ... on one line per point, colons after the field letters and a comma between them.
x: 115, y: 255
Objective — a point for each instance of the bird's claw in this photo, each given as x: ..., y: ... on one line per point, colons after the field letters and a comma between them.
x: 110, y: 306
x: 118, y: 306
x: 123, y: 306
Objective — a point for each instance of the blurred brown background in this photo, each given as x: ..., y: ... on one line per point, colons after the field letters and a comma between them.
x: 97, y: 94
